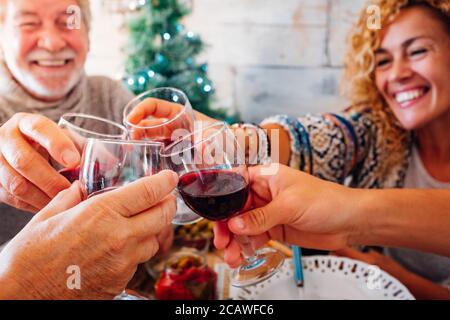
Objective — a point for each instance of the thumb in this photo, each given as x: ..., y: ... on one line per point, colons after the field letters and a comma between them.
x: 260, y: 220
x: 65, y: 200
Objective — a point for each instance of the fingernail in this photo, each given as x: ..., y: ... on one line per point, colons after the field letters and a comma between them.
x: 239, y: 223
x: 70, y: 157
x: 174, y: 176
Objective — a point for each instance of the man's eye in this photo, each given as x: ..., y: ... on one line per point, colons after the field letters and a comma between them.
x: 63, y: 24
x: 28, y: 24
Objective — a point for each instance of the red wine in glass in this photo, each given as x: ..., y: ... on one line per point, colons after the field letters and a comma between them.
x: 214, y: 194
x: 99, y: 183
x: 72, y: 174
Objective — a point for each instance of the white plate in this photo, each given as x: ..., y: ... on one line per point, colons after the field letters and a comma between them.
x: 327, y: 277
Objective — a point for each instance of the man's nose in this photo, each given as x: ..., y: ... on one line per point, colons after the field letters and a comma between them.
x: 51, y: 39
x: 400, y: 71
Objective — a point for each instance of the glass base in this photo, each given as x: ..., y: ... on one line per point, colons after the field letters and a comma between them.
x: 264, y: 264
x: 184, y: 214
x: 126, y: 296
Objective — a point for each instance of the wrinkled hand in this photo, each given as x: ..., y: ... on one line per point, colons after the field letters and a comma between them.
x: 289, y: 206
x: 106, y: 237
x: 27, y: 180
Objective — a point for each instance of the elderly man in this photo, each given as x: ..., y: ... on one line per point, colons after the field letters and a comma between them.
x: 42, y: 72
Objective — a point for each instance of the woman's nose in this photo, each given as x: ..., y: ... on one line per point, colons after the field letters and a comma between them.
x: 400, y: 71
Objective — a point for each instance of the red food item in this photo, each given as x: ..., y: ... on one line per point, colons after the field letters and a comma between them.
x: 187, y: 279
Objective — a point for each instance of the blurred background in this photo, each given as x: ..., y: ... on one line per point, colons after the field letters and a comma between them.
x: 264, y: 57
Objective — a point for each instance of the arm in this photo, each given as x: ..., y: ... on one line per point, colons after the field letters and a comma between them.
x: 417, y: 219
x: 296, y: 208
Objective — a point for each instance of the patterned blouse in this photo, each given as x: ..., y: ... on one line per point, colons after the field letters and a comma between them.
x: 348, y: 145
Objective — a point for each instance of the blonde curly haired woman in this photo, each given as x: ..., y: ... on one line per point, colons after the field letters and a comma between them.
x: 395, y: 135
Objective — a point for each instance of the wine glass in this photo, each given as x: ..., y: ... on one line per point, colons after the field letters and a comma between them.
x: 163, y: 115
x: 214, y: 182
x: 108, y: 164
x: 79, y: 127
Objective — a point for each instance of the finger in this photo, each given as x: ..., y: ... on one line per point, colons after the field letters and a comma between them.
x: 165, y: 239
x: 137, y: 134
x: 47, y: 133
x: 154, y: 220
x: 260, y: 220
x: 139, y: 195
x: 7, y: 198
x: 147, y: 249
x: 152, y: 122
x: 65, y: 200
x: 24, y: 159
x: 19, y: 187
x: 152, y: 129
x: 221, y: 235
x: 233, y: 255
x: 154, y: 107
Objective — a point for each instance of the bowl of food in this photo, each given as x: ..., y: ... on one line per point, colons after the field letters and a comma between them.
x: 198, y: 235
x: 186, y: 276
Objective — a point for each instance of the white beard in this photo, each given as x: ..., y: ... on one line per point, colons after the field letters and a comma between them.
x: 31, y: 84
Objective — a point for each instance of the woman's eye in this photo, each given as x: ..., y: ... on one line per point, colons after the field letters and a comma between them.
x: 418, y: 52
x: 382, y: 62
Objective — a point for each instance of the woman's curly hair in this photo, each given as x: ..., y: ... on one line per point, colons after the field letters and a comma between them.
x: 359, y: 77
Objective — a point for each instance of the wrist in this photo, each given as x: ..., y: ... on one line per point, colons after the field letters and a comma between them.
x: 374, y: 222
x: 15, y: 281
x: 359, y: 221
x: 10, y: 289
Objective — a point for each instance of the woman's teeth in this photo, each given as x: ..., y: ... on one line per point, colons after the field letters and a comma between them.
x: 407, y: 96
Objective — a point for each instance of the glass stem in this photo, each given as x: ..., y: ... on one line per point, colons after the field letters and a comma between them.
x: 247, y: 247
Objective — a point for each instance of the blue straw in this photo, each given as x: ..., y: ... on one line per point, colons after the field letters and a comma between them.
x: 298, y: 267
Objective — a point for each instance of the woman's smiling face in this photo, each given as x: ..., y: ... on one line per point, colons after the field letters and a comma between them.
x: 413, y: 67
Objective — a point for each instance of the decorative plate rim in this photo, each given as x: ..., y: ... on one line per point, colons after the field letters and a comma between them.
x: 353, y: 267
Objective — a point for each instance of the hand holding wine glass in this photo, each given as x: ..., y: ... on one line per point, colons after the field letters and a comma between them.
x: 157, y: 113
x: 106, y: 237
x: 292, y: 207
x: 27, y: 179
x: 214, y: 183
x: 162, y: 114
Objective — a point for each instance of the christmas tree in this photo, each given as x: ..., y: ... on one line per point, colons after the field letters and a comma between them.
x: 161, y: 53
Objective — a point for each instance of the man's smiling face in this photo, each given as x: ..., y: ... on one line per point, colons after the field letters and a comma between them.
x: 43, y: 52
